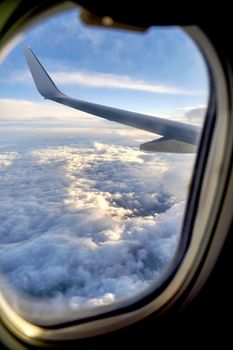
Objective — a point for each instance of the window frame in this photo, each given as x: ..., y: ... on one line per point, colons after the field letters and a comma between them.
x: 197, y: 259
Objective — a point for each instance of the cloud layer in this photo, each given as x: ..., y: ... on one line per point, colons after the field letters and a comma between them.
x: 84, y: 227
x: 13, y: 110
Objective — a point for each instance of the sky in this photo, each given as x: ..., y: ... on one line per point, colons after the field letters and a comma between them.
x: 157, y: 72
x: 88, y: 220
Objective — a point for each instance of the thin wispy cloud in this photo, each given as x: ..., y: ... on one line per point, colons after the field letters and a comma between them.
x: 105, y: 80
x: 115, y: 81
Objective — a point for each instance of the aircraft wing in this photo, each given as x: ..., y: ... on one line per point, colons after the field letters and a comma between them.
x: 176, y: 137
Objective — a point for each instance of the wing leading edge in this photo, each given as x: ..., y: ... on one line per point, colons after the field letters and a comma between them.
x: 177, y: 137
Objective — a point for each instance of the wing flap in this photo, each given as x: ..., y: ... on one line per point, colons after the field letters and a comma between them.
x: 168, y: 145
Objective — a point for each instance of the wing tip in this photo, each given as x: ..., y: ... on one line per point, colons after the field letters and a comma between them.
x: 42, y: 80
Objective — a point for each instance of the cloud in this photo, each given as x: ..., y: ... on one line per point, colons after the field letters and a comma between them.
x: 13, y: 110
x: 85, y: 227
x: 114, y: 81
x: 6, y: 158
x: 105, y: 80
x: 25, y: 110
x: 194, y: 114
x: 188, y: 114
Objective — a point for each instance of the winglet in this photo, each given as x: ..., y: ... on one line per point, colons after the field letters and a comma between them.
x: 42, y: 80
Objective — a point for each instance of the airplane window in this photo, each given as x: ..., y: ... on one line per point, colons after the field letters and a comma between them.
x: 93, y: 197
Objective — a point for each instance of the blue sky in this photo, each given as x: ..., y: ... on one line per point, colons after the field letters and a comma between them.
x: 161, y: 57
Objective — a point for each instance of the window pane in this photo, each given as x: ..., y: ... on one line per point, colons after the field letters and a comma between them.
x: 89, y: 222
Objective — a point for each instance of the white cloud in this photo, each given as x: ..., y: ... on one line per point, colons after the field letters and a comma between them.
x: 115, y: 81
x: 6, y: 158
x: 105, y: 80
x: 193, y: 114
x: 25, y: 110
x: 12, y: 109
x: 87, y: 227
x: 189, y: 114
x: 196, y: 114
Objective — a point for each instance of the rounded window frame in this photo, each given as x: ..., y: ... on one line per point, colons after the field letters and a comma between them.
x: 194, y: 255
